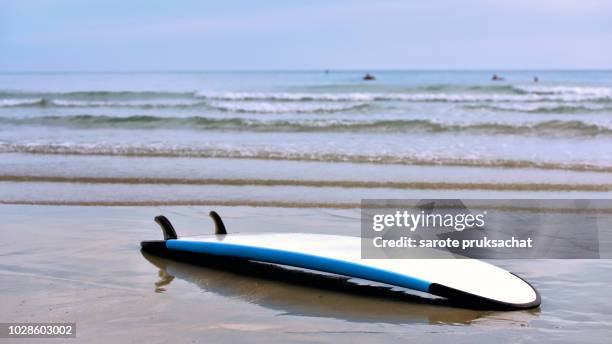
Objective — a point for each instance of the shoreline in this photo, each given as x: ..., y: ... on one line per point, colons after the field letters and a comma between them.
x: 314, y: 183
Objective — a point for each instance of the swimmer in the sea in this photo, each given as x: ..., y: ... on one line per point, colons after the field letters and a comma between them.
x: 369, y: 76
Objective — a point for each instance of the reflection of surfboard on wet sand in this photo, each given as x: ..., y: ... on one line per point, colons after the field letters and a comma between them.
x: 468, y: 282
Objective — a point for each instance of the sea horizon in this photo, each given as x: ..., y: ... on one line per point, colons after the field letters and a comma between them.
x: 310, y: 70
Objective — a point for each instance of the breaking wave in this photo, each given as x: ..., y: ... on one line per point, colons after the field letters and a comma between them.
x: 555, y: 108
x: 552, y: 127
x: 238, y: 107
x: 406, y: 97
x: 267, y: 107
x: 428, y: 93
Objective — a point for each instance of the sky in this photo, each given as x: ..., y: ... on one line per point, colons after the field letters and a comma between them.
x: 117, y: 35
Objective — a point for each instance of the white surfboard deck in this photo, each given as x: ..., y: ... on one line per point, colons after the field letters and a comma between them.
x: 342, y: 255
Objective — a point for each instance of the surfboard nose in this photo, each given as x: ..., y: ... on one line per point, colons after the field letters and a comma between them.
x: 484, y: 285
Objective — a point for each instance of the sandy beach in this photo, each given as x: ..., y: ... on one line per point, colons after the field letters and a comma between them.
x: 83, y: 264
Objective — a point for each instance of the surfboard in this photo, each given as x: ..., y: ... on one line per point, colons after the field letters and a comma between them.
x: 469, y: 282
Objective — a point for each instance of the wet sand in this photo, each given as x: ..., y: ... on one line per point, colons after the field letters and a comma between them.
x: 84, y: 265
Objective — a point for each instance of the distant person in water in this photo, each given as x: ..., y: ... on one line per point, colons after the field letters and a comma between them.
x: 535, y: 79
x: 369, y: 76
x: 496, y: 77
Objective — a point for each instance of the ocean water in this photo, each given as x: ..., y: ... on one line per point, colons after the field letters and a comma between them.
x: 518, y: 137
x: 85, y: 267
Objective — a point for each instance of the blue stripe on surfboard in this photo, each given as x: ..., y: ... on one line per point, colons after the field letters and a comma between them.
x: 301, y: 260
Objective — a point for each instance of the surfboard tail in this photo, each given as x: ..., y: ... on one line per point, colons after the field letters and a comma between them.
x: 158, y: 247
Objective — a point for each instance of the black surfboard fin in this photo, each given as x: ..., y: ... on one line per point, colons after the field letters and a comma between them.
x: 166, y: 226
x: 219, y: 226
